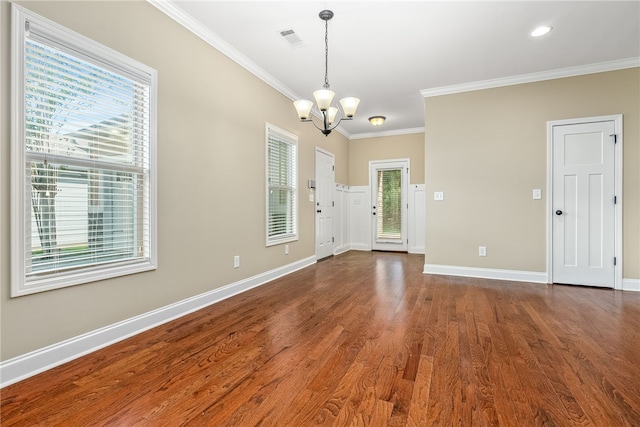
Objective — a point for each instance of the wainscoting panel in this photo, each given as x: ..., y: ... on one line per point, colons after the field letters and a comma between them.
x: 360, y: 218
x: 341, y: 219
x: 416, y: 228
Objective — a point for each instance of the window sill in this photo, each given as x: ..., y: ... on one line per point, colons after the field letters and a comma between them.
x: 49, y: 282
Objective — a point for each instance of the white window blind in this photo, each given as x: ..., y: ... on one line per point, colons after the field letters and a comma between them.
x: 84, y: 137
x: 389, y: 218
x: 282, y: 203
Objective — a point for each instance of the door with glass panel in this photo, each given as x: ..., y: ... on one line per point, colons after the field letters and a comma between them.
x: 389, y: 204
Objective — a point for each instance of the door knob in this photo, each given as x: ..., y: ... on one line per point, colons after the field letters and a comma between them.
x: 558, y: 212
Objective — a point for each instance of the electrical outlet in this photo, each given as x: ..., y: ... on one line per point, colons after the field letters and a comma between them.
x: 438, y: 195
x: 236, y: 261
x: 482, y: 251
x: 286, y: 249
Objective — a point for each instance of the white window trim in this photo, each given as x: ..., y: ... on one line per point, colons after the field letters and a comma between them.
x: 269, y: 128
x: 98, y: 52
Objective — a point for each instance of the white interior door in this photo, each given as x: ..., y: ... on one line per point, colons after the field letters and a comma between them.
x: 389, y: 205
x: 325, y: 190
x: 583, y: 225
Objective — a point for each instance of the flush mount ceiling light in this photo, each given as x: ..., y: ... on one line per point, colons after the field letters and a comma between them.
x: 541, y: 31
x: 377, y: 120
x: 324, y: 96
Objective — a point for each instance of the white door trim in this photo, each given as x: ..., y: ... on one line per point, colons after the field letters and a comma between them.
x: 617, y: 119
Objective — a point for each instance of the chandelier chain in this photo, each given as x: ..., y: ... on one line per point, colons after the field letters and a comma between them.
x: 326, y: 54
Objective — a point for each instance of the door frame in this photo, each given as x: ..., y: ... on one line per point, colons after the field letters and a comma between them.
x: 316, y: 192
x: 405, y: 192
x: 617, y: 178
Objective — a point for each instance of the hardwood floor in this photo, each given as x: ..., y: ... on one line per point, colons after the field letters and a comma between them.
x: 362, y: 339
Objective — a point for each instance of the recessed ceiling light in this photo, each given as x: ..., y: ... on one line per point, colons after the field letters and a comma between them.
x: 540, y: 31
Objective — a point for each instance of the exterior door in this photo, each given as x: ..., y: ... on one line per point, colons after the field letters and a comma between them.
x: 324, y: 203
x: 583, y: 224
x: 389, y: 205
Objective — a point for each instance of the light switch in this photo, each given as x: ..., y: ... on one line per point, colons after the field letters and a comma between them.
x: 438, y: 195
x: 537, y: 194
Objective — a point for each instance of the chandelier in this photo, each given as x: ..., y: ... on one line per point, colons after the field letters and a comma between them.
x: 324, y: 96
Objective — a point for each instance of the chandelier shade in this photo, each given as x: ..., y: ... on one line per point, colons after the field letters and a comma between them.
x: 349, y: 106
x: 303, y: 107
x: 324, y: 97
x: 332, y: 112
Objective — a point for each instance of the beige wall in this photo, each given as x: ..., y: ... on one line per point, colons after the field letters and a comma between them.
x: 361, y: 151
x: 211, y: 181
x: 487, y: 150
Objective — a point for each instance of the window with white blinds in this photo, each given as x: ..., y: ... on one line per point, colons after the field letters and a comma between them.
x: 389, y: 218
x: 84, y: 159
x: 282, y: 193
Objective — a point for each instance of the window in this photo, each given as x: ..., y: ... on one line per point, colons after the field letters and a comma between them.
x: 389, y: 219
x: 83, y: 161
x: 282, y: 192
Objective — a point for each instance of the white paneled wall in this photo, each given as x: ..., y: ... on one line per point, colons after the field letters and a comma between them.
x: 352, y: 218
x: 341, y: 219
x: 416, y: 228
x: 360, y: 218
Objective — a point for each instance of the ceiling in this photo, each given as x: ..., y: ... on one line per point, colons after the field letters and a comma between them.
x: 392, y: 53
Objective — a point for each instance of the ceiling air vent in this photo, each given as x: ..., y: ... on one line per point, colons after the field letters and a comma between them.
x: 290, y: 36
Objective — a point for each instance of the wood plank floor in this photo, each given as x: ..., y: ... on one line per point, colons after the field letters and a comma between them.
x: 362, y: 339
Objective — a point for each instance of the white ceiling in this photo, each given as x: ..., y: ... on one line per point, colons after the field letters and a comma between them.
x: 387, y: 52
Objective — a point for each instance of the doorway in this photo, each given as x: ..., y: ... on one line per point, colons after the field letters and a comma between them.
x: 585, y: 201
x: 324, y: 203
x: 389, y: 182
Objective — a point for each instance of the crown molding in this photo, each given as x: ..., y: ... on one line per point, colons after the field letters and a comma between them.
x: 599, y: 67
x: 394, y: 132
x: 169, y: 8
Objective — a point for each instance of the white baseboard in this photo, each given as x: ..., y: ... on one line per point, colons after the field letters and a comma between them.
x: 631, y: 285
x: 341, y: 250
x: 486, y: 273
x: 515, y: 275
x: 29, y: 364
x: 359, y: 247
